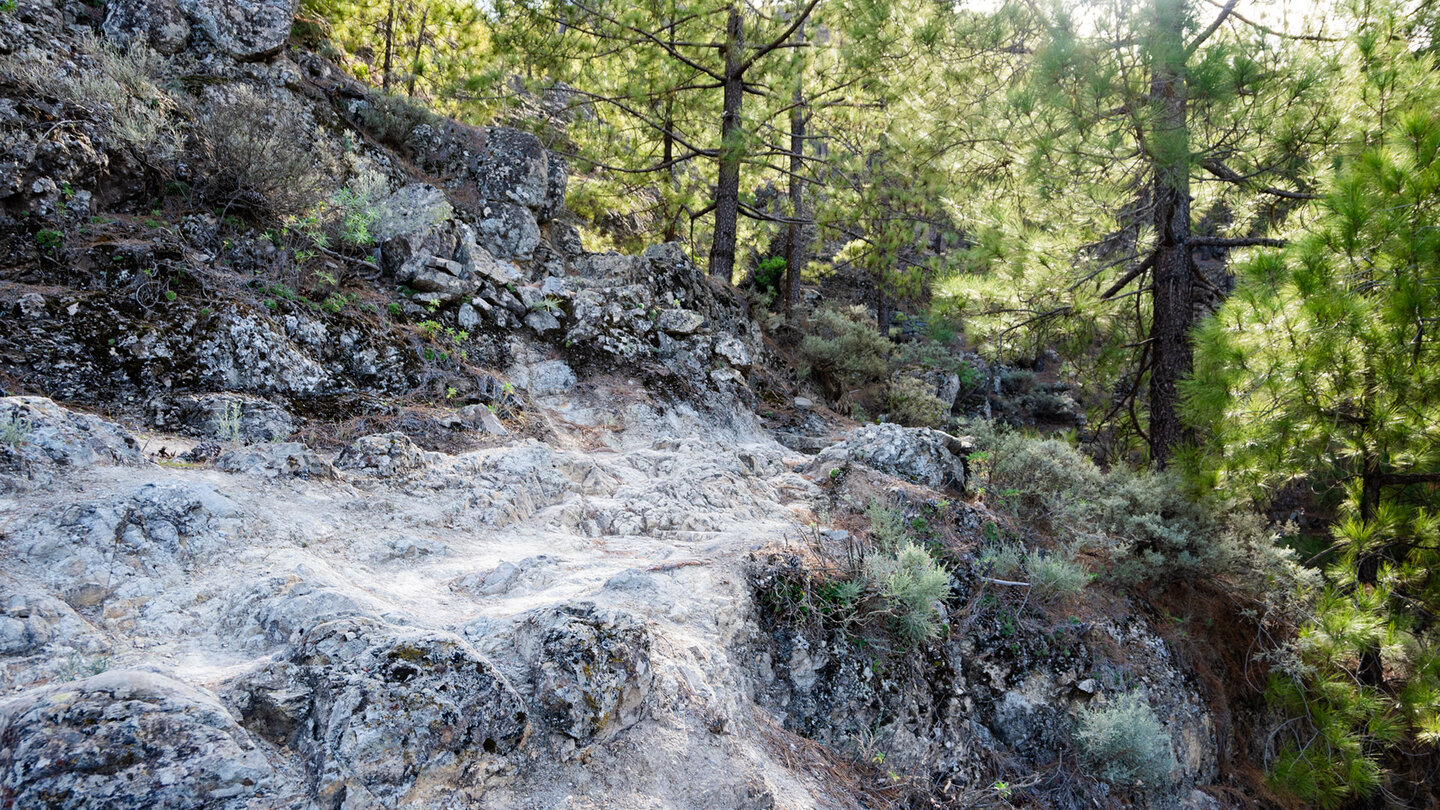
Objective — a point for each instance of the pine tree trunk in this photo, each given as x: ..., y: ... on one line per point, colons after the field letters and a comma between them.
x: 389, y: 47
x: 1173, y: 287
x: 672, y: 211
x: 727, y: 185
x: 415, y: 62
x: 795, y: 253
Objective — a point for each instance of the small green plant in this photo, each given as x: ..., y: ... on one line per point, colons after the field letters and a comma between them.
x: 226, y: 423
x: 14, y: 429
x: 912, y: 402
x: 7, y: 6
x: 49, y: 240
x: 1004, y: 561
x: 394, y: 309
x: 1055, y: 576
x: 845, y: 346
x: 1125, y: 743
x: 171, y: 295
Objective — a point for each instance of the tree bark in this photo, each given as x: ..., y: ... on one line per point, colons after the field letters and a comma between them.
x: 1173, y: 288
x: 672, y: 212
x: 389, y: 47
x: 795, y: 248
x: 415, y: 61
x: 1367, y: 564
x: 727, y: 184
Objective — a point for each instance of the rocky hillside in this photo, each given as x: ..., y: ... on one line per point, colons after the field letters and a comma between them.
x: 335, y: 473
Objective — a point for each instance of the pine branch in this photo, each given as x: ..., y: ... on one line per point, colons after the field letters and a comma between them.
x: 1128, y: 277
x: 1243, y: 241
x: 1229, y: 175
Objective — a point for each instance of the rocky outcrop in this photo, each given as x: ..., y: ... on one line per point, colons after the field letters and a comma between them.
x: 372, y: 709
x: 920, y: 455
x: 36, y: 435
x: 246, y: 30
x: 591, y: 669
x: 126, y: 740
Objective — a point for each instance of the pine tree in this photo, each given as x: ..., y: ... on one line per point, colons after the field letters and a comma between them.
x: 1324, y: 368
x: 1134, y: 124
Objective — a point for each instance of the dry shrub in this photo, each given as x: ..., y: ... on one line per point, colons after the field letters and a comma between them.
x: 261, y: 154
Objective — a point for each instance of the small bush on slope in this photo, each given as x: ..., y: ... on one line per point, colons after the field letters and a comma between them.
x: 1125, y: 743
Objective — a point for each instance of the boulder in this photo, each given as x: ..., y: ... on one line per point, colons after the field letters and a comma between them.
x: 508, y: 230
x: 35, y: 432
x: 680, y: 321
x: 417, y: 207
x: 545, y: 378
x: 921, y: 455
x: 158, y: 23
x: 126, y: 740
x: 383, y: 455
x: 590, y: 668
x: 372, y: 708
x: 283, y: 459
x: 499, y: 164
x: 247, y: 30
x: 226, y: 417
x: 733, y: 351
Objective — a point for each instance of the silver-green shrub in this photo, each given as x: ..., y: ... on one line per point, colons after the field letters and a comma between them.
x: 1125, y: 743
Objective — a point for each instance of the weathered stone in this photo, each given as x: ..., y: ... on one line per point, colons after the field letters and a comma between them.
x: 680, y: 321
x: 157, y: 23
x: 733, y: 351
x: 417, y: 207
x: 544, y: 379
x: 542, y: 322
x: 46, y: 434
x: 467, y: 317
x: 591, y: 669
x: 374, y: 708
x: 126, y: 740
x: 383, y: 455
x: 921, y: 455
x: 285, y: 459
x: 247, y: 30
x: 484, y: 418
x: 508, y: 230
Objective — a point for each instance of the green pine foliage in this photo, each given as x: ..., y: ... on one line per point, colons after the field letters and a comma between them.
x: 1324, y: 368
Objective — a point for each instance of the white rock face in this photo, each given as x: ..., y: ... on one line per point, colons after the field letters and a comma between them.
x: 510, y: 627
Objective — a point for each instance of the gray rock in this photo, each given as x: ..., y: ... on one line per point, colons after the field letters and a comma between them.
x: 442, y: 261
x: 590, y: 668
x: 31, y: 305
x: 557, y: 176
x: 504, y: 165
x: 508, y: 230
x: 804, y: 403
x: 733, y: 351
x: 157, y: 23
x: 921, y: 455
x: 372, y: 708
x: 287, y: 459
x: 126, y: 740
x: 544, y: 379
x: 680, y: 321
x: 51, y: 436
x: 247, y: 30
x: 417, y: 207
x: 484, y: 418
x: 542, y: 322
x: 227, y: 417
x: 467, y: 317
x: 566, y: 239
x: 383, y: 455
